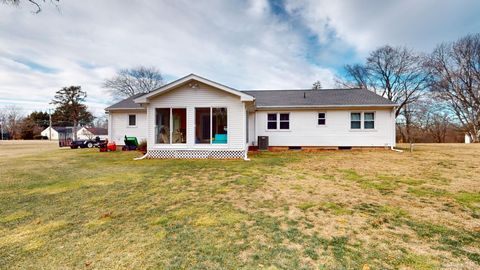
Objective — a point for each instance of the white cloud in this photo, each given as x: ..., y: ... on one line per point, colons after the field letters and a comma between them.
x: 368, y: 24
x: 238, y: 43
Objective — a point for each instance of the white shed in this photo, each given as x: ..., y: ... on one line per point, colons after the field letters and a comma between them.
x: 46, y: 132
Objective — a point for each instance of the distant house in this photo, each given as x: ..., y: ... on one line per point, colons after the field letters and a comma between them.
x: 64, y: 135
x: 58, y: 133
x: 89, y: 133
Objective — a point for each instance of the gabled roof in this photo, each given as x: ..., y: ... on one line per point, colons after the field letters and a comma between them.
x: 318, y: 98
x: 192, y: 77
x: 97, y: 131
x: 127, y: 103
x: 306, y: 98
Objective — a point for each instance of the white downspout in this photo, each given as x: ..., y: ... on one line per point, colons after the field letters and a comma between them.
x: 394, y: 137
x: 245, y: 157
x: 142, y: 157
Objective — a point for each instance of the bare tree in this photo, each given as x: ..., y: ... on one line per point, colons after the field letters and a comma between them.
x: 11, y: 118
x: 396, y: 73
x: 36, y: 3
x: 455, y: 69
x: 317, y: 85
x: 101, y: 122
x: 130, y: 82
x: 434, y: 120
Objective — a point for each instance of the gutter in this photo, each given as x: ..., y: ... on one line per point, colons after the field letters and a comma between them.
x: 325, y: 106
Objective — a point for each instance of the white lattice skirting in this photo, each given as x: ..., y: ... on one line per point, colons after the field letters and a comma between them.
x: 196, y: 154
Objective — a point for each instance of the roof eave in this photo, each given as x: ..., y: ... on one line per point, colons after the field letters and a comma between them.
x: 164, y: 88
x: 325, y: 106
x: 123, y: 109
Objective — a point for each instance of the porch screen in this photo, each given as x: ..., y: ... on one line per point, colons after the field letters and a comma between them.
x: 202, y: 125
x: 211, y: 125
x: 179, y: 126
x: 219, y: 125
x: 171, y: 125
x: 162, y: 128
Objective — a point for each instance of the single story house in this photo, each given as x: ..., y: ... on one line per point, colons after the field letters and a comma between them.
x: 57, y: 132
x: 90, y: 133
x: 83, y: 133
x: 194, y: 117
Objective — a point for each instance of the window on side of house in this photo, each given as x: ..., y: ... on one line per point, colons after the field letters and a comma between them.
x: 322, y: 119
x: 272, y: 121
x: 284, y: 121
x: 132, y: 120
x: 369, y: 120
x: 355, y: 120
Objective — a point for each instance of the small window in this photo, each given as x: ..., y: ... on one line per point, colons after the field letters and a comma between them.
x: 322, y: 119
x: 272, y: 121
x: 284, y: 121
x: 355, y: 120
x: 369, y: 120
x: 132, y: 120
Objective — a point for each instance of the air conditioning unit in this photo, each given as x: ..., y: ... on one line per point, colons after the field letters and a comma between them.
x: 262, y: 142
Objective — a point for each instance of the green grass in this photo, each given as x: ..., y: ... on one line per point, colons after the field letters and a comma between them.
x: 294, y: 210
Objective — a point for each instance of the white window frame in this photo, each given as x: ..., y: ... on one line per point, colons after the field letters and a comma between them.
x: 362, y: 121
x: 374, y: 120
x: 128, y: 121
x: 211, y: 124
x: 171, y: 125
x: 325, y: 118
x: 278, y: 121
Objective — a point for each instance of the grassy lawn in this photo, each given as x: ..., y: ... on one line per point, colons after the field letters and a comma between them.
x: 326, y: 210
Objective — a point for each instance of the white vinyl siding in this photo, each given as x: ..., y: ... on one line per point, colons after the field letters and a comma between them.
x: 304, y: 130
x: 119, y: 126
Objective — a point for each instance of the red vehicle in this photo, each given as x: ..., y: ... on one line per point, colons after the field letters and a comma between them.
x: 108, y: 147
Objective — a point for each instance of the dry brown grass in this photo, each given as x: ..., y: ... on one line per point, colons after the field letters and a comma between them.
x: 325, y: 210
x: 10, y: 149
x: 370, y: 197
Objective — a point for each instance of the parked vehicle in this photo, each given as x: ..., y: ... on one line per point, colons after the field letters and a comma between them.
x: 107, y: 146
x: 131, y: 143
x: 86, y: 143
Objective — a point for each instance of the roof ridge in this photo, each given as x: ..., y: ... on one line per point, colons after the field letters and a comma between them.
x: 309, y: 89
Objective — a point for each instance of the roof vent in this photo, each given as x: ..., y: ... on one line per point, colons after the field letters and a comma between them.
x: 193, y: 85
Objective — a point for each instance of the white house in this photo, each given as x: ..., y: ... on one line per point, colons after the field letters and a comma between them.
x: 194, y: 117
x: 46, y: 133
x: 83, y: 133
x: 90, y: 133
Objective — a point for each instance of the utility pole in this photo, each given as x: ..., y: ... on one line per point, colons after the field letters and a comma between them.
x: 50, y: 124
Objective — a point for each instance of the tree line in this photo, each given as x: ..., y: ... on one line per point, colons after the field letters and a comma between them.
x: 69, y: 111
x: 438, y: 94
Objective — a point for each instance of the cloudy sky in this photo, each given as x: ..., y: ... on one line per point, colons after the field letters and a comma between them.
x: 254, y: 44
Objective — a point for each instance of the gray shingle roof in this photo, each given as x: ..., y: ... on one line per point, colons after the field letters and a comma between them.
x: 127, y: 103
x: 312, y: 98
x: 292, y: 98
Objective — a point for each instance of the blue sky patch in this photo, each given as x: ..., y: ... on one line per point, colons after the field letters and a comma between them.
x: 36, y: 66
